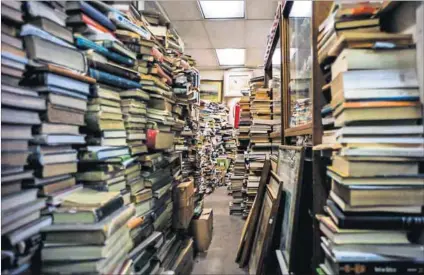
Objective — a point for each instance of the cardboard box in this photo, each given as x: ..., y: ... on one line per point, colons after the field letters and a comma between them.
x: 201, y: 228
x: 182, y: 216
x: 183, y: 193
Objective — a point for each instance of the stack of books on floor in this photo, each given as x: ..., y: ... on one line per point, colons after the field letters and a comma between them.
x: 244, y: 125
x: 275, y: 135
x: 237, y: 183
x: 212, y: 125
x: 20, y: 208
x: 89, y: 234
x: 375, y: 206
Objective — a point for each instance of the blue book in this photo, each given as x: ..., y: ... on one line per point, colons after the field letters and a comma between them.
x: 85, y: 44
x: 91, y: 12
x: 113, y: 80
x: 59, y: 81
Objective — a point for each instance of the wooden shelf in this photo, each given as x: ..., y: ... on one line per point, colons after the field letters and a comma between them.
x: 299, y: 130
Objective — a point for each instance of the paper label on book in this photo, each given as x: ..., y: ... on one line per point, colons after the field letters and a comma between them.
x: 127, y: 24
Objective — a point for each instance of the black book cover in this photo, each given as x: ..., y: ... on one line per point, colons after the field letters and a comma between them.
x: 374, y: 220
x: 109, y: 208
x: 363, y: 268
x: 113, y: 70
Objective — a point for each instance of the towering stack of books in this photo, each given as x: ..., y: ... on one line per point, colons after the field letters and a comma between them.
x: 20, y: 208
x: 275, y: 135
x: 260, y: 145
x: 244, y: 125
x: 376, y: 200
x: 106, y: 164
x: 261, y: 118
x: 60, y: 80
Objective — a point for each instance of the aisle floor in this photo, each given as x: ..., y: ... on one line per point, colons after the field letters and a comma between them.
x: 219, y: 259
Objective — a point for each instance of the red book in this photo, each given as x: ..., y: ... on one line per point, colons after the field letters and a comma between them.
x: 87, y: 20
x: 159, y: 140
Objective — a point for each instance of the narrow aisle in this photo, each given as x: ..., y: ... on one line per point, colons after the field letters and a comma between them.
x: 220, y: 258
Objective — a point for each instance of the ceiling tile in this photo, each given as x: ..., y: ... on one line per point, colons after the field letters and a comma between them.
x: 193, y: 34
x: 204, y: 57
x: 256, y: 33
x: 255, y: 57
x: 182, y: 10
x: 261, y: 9
x: 226, y: 33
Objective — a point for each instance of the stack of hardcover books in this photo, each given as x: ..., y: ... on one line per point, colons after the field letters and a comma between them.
x: 375, y: 207
x: 57, y: 72
x: 20, y: 208
x: 237, y: 182
x: 89, y: 234
x: 244, y: 125
x: 260, y: 109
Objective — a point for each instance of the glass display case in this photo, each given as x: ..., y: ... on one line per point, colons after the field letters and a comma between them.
x: 297, y: 51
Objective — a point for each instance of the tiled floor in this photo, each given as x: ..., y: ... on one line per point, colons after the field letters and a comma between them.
x: 220, y: 258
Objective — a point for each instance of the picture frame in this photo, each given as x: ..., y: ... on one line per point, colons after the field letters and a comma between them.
x: 211, y: 90
x: 265, y: 228
x: 290, y: 171
x: 235, y: 82
x: 247, y: 238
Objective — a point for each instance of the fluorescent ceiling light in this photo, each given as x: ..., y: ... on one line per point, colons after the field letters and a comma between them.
x: 231, y: 57
x: 301, y: 9
x: 222, y: 9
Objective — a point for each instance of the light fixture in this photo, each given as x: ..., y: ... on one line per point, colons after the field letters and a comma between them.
x: 222, y: 9
x: 301, y: 9
x: 231, y: 57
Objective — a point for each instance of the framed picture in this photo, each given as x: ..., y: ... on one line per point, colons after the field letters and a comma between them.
x: 211, y: 90
x: 236, y: 82
x: 289, y: 170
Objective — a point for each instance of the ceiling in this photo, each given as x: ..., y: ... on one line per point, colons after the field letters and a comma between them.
x: 203, y: 36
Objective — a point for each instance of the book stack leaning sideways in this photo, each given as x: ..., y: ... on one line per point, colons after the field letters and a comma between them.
x: 375, y: 207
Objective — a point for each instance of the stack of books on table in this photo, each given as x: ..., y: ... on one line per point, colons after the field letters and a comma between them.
x: 20, y: 208
x: 89, y: 234
x: 376, y: 201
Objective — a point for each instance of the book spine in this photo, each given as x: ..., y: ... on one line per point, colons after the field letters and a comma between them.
x: 380, y: 268
x: 380, y: 222
x: 151, y: 138
x: 87, y: 20
x: 98, y: 16
x: 124, y: 23
x: 85, y: 44
x: 110, y: 69
x: 113, y: 80
x: 109, y: 208
x: 32, y: 30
